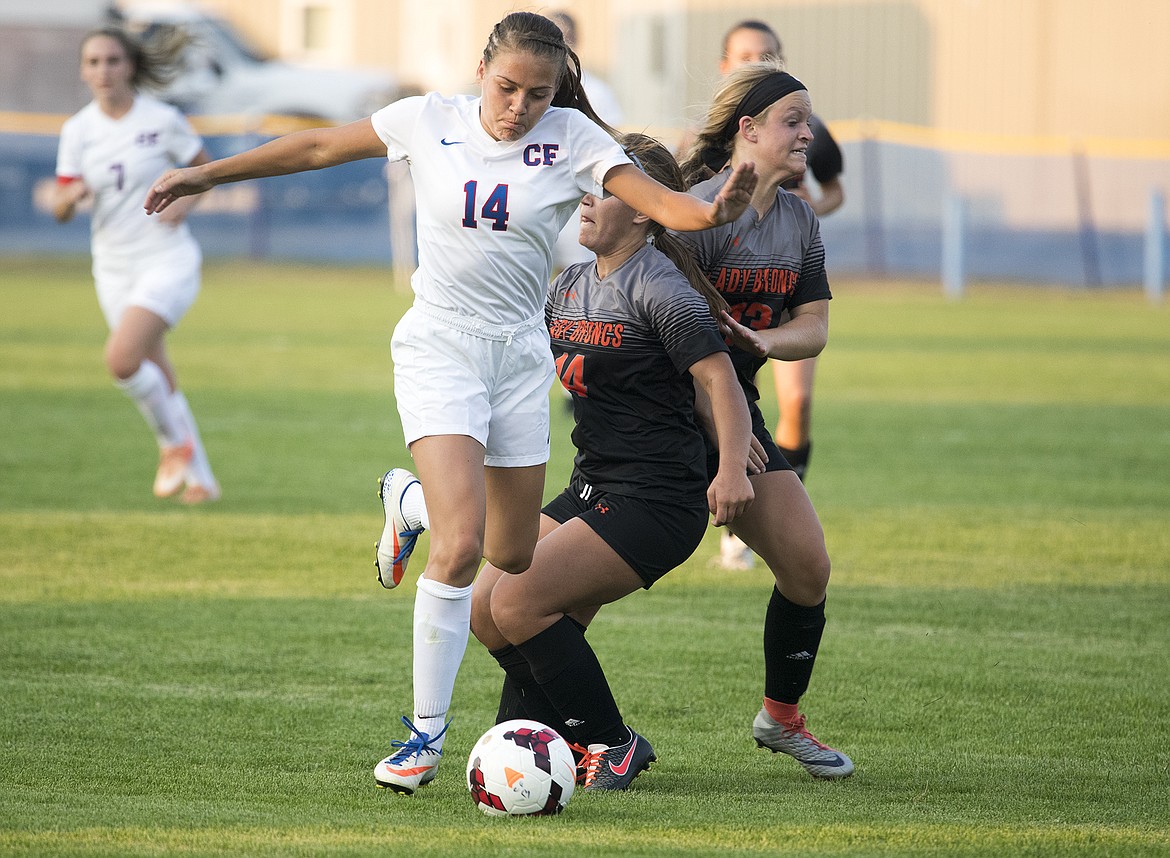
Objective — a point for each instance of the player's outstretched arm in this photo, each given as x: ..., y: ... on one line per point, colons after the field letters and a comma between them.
x: 313, y: 149
x: 736, y: 194
x: 679, y: 211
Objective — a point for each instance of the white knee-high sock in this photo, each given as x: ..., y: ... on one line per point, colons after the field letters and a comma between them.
x: 414, y: 506
x: 200, y: 465
x: 442, y: 623
x: 150, y: 391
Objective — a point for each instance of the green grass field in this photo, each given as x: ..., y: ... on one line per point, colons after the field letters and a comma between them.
x: 994, y: 480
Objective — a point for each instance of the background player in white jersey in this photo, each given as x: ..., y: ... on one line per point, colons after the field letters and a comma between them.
x: 769, y: 265
x: 146, y: 271
x: 632, y: 339
x: 495, y: 176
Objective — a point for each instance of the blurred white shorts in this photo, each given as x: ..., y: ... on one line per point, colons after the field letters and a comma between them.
x: 455, y: 375
x: 166, y: 283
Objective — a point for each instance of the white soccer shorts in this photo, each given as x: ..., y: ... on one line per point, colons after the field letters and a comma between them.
x: 455, y: 375
x: 166, y: 283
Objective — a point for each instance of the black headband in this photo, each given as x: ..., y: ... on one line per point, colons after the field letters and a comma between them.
x: 763, y: 93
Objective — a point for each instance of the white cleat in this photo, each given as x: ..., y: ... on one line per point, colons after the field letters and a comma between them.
x: 172, y: 469
x: 414, y: 764
x: 398, y: 536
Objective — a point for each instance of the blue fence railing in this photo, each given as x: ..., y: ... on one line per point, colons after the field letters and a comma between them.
x: 893, y: 223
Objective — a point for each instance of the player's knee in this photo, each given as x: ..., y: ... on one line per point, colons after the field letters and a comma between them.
x: 510, y: 560
x: 482, y: 625
x: 803, y: 574
x: 818, y: 574
x: 120, y: 362
x: 454, y: 558
x: 512, y: 617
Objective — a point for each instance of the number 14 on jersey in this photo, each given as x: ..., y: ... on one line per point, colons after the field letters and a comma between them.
x: 495, y: 207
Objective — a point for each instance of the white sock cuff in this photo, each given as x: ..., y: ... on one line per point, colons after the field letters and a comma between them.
x: 443, y: 591
x: 146, y: 379
x: 414, y: 505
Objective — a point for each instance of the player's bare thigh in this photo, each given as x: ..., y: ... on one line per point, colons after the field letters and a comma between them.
x: 451, y: 470
x: 513, y: 515
x: 482, y: 625
x: 572, y: 568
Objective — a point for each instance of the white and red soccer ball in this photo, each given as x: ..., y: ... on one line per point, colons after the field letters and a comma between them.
x: 521, y: 768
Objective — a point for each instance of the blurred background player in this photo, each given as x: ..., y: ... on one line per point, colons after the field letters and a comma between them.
x: 749, y: 42
x: 497, y: 176
x: 146, y: 270
x: 769, y: 265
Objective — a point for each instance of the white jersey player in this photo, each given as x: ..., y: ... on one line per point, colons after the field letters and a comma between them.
x: 146, y: 271
x: 496, y: 177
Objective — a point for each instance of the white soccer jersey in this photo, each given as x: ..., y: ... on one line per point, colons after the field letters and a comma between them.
x: 119, y: 159
x: 489, y: 211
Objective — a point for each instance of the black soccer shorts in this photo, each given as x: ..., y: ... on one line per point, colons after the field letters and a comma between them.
x: 653, y: 537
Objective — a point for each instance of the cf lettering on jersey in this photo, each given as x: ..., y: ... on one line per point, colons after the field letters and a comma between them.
x: 147, y: 138
x: 538, y: 154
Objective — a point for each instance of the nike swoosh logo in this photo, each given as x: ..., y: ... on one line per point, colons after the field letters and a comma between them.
x: 447, y: 142
x: 830, y: 763
x: 620, y: 768
x: 417, y: 770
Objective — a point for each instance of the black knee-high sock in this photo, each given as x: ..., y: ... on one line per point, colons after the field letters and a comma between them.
x: 522, y: 697
x: 567, y: 669
x: 792, y: 635
x: 511, y: 701
x: 798, y: 458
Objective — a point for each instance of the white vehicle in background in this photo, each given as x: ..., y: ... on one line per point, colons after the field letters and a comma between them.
x: 222, y: 74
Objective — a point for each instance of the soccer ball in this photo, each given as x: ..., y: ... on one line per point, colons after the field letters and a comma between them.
x: 521, y: 768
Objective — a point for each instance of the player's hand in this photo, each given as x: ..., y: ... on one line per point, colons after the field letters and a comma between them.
x: 741, y: 336
x: 75, y: 191
x: 173, y: 184
x: 735, y: 195
x: 757, y: 458
x: 729, y: 496
x: 177, y: 211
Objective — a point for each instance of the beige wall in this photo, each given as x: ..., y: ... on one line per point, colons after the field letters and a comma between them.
x: 1059, y: 68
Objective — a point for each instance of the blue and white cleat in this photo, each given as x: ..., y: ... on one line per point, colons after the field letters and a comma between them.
x: 398, y: 536
x: 414, y: 764
x: 794, y: 739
